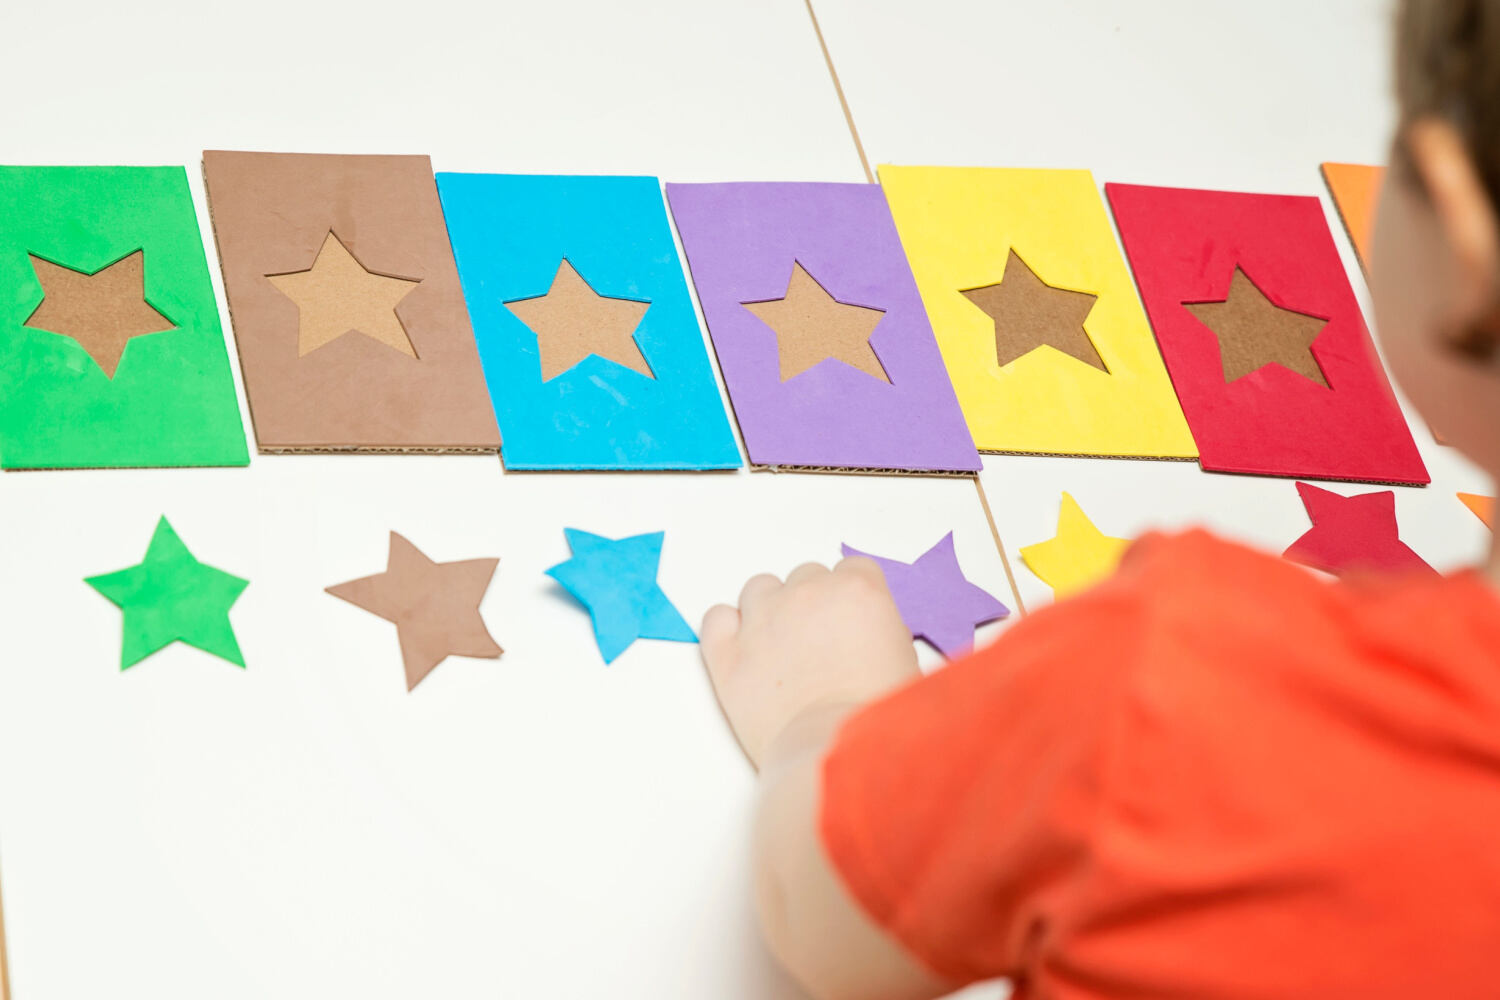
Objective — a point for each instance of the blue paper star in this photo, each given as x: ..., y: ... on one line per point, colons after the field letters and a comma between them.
x: 616, y: 581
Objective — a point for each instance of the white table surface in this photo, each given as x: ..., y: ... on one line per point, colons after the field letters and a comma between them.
x: 543, y: 826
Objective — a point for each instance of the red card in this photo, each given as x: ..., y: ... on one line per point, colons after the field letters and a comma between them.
x: 1191, y: 250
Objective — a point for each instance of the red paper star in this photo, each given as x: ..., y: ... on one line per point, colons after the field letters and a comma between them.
x: 1352, y: 534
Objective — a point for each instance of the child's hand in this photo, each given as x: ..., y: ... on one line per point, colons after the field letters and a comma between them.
x: 824, y: 639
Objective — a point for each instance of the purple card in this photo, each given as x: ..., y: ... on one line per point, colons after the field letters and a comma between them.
x: 821, y: 334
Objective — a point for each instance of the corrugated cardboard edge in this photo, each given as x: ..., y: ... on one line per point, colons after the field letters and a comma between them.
x: 834, y: 470
x: 1079, y: 454
x: 373, y: 449
x: 4, y: 959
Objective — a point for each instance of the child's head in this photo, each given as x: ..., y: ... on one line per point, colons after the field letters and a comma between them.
x: 1436, y: 258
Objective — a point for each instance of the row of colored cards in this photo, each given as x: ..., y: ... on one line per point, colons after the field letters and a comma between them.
x: 904, y: 327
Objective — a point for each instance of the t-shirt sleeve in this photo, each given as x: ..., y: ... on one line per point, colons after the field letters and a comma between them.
x: 959, y: 810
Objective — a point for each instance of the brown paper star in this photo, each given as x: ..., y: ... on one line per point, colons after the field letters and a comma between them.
x: 1254, y: 332
x: 1029, y: 313
x: 812, y: 326
x: 338, y: 296
x: 573, y: 321
x: 435, y: 606
x: 102, y: 311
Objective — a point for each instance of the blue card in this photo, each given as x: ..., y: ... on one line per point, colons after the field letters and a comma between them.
x: 589, y: 341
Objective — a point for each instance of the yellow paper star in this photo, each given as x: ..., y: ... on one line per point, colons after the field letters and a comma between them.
x: 572, y: 321
x: 1079, y: 556
x: 338, y: 296
x: 101, y: 311
x: 812, y: 326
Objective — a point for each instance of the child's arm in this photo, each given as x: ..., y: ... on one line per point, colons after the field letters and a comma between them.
x: 788, y: 665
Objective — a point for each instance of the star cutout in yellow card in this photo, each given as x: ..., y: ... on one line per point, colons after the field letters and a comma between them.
x: 960, y: 226
x: 1078, y: 556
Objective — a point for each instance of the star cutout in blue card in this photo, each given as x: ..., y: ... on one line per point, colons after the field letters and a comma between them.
x: 616, y: 581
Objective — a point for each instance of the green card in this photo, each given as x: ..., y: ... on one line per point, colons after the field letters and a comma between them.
x: 111, y: 353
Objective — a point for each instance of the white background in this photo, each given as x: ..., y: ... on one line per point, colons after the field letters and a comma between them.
x: 543, y: 826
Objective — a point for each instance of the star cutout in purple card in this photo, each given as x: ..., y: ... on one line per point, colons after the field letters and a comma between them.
x: 937, y: 602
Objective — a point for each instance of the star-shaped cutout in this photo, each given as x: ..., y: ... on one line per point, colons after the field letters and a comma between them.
x: 1029, y: 313
x: 616, y: 581
x: 937, y: 602
x: 172, y: 597
x: 1482, y: 507
x: 572, y: 322
x: 1254, y: 332
x: 1078, y: 556
x: 812, y: 326
x: 1351, y: 534
x: 102, y: 311
x: 338, y: 296
x: 434, y: 606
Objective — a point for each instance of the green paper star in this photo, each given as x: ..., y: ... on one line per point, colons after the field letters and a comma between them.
x: 169, y: 597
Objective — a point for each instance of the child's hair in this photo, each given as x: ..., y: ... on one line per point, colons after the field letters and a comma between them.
x: 1448, y: 66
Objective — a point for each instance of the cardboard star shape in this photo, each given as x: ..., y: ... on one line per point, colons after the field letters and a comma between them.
x: 1029, y: 313
x: 102, y: 311
x: 1482, y: 507
x: 434, y: 606
x: 812, y: 326
x: 1254, y: 332
x: 572, y: 321
x: 172, y: 597
x: 1351, y: 534
x: 937, y: 602
x: 338, y: 296
x: 616, y: 581
x: 1078, y: 556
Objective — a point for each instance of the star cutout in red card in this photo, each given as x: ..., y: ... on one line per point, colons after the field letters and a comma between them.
x: 1353, y: 534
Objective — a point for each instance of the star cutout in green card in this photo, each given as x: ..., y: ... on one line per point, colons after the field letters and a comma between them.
x: 172, y: 597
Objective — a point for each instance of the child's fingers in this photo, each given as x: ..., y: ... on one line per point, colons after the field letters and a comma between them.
x: 716, y: 638
x: 757, y: 589
x: 805, y: 572
x: 860, y: 566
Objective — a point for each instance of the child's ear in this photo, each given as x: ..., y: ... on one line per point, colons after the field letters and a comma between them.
x: 1466, y: 217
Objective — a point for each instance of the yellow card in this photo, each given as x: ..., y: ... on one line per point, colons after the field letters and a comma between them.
x: 1010, y: 263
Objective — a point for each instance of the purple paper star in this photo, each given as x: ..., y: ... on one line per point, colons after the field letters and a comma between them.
x: 936, y: 600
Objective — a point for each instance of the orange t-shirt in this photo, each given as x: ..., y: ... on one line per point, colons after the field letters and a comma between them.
x: 1214, y: 776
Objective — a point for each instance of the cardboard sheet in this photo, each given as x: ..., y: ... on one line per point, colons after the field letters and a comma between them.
x: 273, y: 215
x: 1353, y: 534
x: 616, y: 581
x: 1187, y: 247
x: 937, y: 602
x: 1356, y: 189
x: 1483, y: 507
x: 610, y: 371
x: 819, y: 329
x: 960, y: 227
x: 1078, y: 556
x: 111, y: 353
x: 172, y: 597
x: 434, y: 606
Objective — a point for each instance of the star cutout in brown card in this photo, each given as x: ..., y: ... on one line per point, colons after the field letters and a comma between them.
x: 1254, y: 332
x: 812, y: 326
x: 337, y: 295
x: 1029, y: 313
x: 102, y: 310
x: 435, y: 606
x: 572, y: 321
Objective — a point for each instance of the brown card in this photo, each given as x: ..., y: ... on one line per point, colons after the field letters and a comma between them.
x: 350, y: 321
